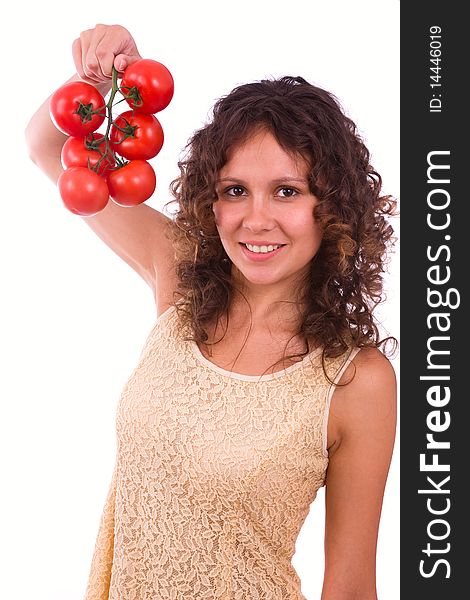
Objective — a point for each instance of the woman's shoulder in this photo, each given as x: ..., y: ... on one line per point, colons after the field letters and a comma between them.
x: 369, y: 369
x: 369, y: 362
x: 366, y: 394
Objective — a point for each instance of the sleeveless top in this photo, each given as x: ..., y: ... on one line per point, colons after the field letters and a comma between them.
x: 214, y: 475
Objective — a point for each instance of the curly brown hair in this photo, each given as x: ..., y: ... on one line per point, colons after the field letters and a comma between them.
x: 345, y: 281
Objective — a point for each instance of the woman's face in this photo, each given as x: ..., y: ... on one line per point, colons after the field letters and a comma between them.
x: 263, y: 199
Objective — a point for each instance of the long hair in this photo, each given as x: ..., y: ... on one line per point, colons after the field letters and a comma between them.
x: 345, y: 281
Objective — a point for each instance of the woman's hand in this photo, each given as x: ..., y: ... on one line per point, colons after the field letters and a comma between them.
x: 97, y: 50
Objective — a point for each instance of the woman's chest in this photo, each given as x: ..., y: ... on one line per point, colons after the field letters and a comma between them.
x: 178, y: 410
x: 253, y: 355
x: 223, y: 434
x: 186, y: 409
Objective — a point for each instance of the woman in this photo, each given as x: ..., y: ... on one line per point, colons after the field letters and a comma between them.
x: 262, y: 379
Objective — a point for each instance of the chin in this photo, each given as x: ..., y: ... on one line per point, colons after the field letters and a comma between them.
x: 257, y: 279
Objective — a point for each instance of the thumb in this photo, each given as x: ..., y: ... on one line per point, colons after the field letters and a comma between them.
x: 122, y: 61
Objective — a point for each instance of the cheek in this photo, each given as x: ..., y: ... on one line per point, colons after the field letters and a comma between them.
x: 224, y: 219
x: 304, y: 225
x: 308, y: 234
x: 217, y: 213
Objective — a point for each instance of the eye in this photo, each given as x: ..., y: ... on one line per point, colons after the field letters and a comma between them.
x: 234, y: 190
x: 290, y: 192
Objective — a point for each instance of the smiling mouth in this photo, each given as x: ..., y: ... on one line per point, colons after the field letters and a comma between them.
x: 261, y: 254
x: 264, y: 249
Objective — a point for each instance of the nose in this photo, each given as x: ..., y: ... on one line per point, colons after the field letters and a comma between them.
x: 258, y: 214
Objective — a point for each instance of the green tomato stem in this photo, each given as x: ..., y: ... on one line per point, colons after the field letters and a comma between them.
x: 109, y: 110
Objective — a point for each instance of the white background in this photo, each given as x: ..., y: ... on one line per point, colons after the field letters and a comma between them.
x: 74, y: 316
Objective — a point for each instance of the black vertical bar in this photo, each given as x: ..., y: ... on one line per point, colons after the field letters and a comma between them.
x: 435, y: 242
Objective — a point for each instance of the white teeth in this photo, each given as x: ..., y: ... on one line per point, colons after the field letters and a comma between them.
x: 262, y: 249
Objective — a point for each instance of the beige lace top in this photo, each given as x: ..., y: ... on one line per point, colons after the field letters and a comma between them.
x: 214, y: 475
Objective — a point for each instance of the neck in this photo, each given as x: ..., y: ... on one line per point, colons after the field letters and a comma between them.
x: 263, y: 312
x: 278, y: 305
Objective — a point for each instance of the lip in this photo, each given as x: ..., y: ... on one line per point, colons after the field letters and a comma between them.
x: 260, y: 243
x: 259, y: 256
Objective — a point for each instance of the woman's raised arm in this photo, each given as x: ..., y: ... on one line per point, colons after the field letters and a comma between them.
x: 136, y: 234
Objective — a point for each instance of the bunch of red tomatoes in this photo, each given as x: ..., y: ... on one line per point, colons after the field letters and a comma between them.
x: 114, y: 163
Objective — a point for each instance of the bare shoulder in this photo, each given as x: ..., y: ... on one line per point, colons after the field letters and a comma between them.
x: 367, y: 401
x: 369, y: 367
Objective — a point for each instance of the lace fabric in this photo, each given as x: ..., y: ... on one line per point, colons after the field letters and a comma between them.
x: 214, y: 477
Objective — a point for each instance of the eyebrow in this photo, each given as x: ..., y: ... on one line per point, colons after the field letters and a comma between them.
x: 275, y: 181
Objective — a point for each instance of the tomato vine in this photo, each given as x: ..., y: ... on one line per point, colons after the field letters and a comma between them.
x: 118, y: 157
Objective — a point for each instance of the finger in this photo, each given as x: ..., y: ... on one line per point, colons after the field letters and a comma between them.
x: 124, y: 47
x: 122, y: 61
x: 100, y: 56
x: 105, y: 58
x: 81, y: 46
x: 91, y: 63
x: 77, y: 58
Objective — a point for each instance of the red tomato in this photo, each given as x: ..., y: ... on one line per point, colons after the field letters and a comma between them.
x: 83, y: 192
x: 72, y: 108
x: 132, y: 184
x: 145, y: 141
x: 78, y: 152
x: 154, y: 85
